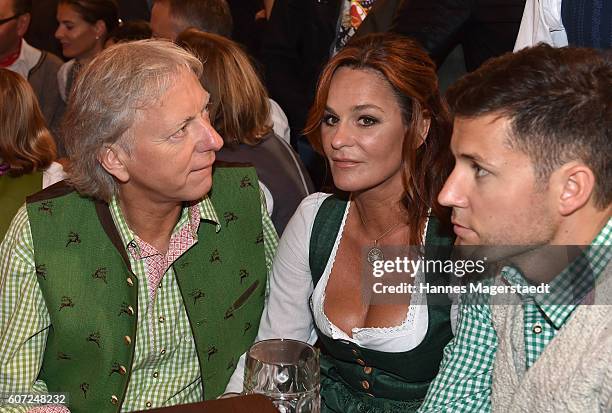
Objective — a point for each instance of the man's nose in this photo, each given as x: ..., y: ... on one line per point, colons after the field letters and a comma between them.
x: 208, y: 138
x: 452, y: 193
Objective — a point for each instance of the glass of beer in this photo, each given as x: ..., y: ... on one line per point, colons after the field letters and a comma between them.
x: 287, y: 371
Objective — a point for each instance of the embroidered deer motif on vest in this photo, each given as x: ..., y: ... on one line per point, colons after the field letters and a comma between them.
x: 41, y: 271
x: 66, y: 302
x: 46, y: 207
x: 94, y: 338
x: 100, y: 274
x: 84, y: 388
x: 215, y: 256
x: 229, y: 217
x: 243, y: 274
x: 212, y: 350
x: 63, y: 356
x: 197, y: 294
x: 245, y: 182
x: 73, y: 238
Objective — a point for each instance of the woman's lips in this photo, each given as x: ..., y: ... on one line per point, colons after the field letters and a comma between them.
x: 344, y: 163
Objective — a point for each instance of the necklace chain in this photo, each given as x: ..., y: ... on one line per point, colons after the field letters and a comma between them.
x: 384, y: 233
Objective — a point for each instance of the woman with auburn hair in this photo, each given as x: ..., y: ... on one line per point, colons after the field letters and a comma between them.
x: 27, y: 149
x: 240, y: 112
x: 379, y: 120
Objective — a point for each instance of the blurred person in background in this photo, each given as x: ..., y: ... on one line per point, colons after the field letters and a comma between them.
x: 38, y: 66
x: 83, y: 28
x: 171, y: 17
x: 239, y: 112
x: 129, y: 31
x: 27, y: 149
x: 584, y: 23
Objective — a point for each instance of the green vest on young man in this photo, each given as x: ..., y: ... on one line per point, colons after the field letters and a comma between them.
x: 90, y: 290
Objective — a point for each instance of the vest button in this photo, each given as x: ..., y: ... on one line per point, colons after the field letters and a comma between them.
x: 367, y: 370
x: 130, y: 281
x: 114, y: 399
x: 128, y: 340
x: 365, y: 384
x: 130, y: 310
x: 360, y: 362
x: 122, y: 370
x: 537, y: 329
x: 148, y: 404
x: 355, y: 352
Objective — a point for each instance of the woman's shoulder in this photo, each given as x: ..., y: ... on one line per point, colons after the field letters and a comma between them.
x: 313, y: 202
x: 305, y: 214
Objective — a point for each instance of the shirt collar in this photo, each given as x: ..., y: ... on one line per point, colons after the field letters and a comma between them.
x: 205, y: 208
x: 571, y: 286
x: 28, y: 58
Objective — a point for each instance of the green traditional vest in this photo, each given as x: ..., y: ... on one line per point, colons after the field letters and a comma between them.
x: 92, y: 294
x: 13, y: 193
x: 364, y: 380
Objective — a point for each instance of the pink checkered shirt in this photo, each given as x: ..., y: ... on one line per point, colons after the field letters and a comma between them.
x: 157, y: 263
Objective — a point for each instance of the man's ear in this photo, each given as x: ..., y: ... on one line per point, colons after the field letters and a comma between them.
x: 23, y: 23
x: 577, y: 185
x: 112, y: 158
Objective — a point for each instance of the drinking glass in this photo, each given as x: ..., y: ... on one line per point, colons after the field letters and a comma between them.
x: 287, y: 371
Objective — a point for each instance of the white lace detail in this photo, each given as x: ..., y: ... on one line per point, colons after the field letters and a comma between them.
x: 403, y: 337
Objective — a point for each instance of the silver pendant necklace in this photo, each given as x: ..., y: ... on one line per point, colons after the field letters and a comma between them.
x: 375, y: 253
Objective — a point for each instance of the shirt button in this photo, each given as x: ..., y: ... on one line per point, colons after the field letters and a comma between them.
x: 163, y: 351
x: 360, y: 362
x: 114, y: 399
x: 130, y: 281
x: 537, y: 329
x: 161, y: 319
x: 367, y: 370
x: 128, y: 340
x: 148, y: 404
x: 130, y: 309
x: 156, y: 374
x: 365, y: 384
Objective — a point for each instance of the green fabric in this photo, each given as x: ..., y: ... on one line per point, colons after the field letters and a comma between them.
x: 83, y: 277
x: 13, y: 192
x: 397, y: 381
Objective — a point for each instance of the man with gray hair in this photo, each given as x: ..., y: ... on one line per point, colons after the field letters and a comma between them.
x: 140, y: 281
